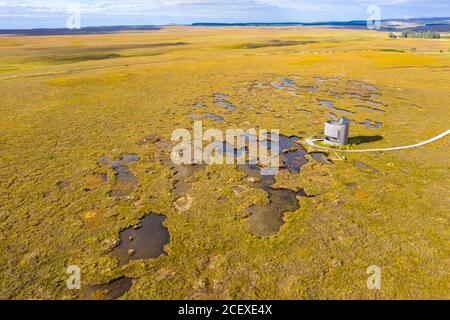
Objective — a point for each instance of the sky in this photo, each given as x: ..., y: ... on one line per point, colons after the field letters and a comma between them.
x: 54, y: 13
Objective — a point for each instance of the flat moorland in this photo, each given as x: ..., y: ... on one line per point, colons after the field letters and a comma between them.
x: 85, y: 133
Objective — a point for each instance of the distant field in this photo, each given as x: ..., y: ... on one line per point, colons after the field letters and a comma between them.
x: 85, y: 141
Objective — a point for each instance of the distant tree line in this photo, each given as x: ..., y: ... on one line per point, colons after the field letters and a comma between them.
x: 423, y: 34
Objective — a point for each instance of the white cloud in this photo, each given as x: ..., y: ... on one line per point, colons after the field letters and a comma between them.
x: 226, y: 10
x: 148, y: 6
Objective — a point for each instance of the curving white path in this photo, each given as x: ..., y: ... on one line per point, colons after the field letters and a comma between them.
x: 311, y: 142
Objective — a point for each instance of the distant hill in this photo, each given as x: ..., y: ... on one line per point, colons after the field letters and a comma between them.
x: 278, y: 24
x: 86, y: 30
x: 415, y: 24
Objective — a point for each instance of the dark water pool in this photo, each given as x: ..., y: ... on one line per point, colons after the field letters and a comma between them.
x: 146, y: 241
x: 111, y: 291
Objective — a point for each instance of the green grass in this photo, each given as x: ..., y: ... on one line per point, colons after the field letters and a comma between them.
x: 57, y: 119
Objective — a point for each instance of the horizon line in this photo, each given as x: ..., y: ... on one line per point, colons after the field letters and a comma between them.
x: 324, y: 22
